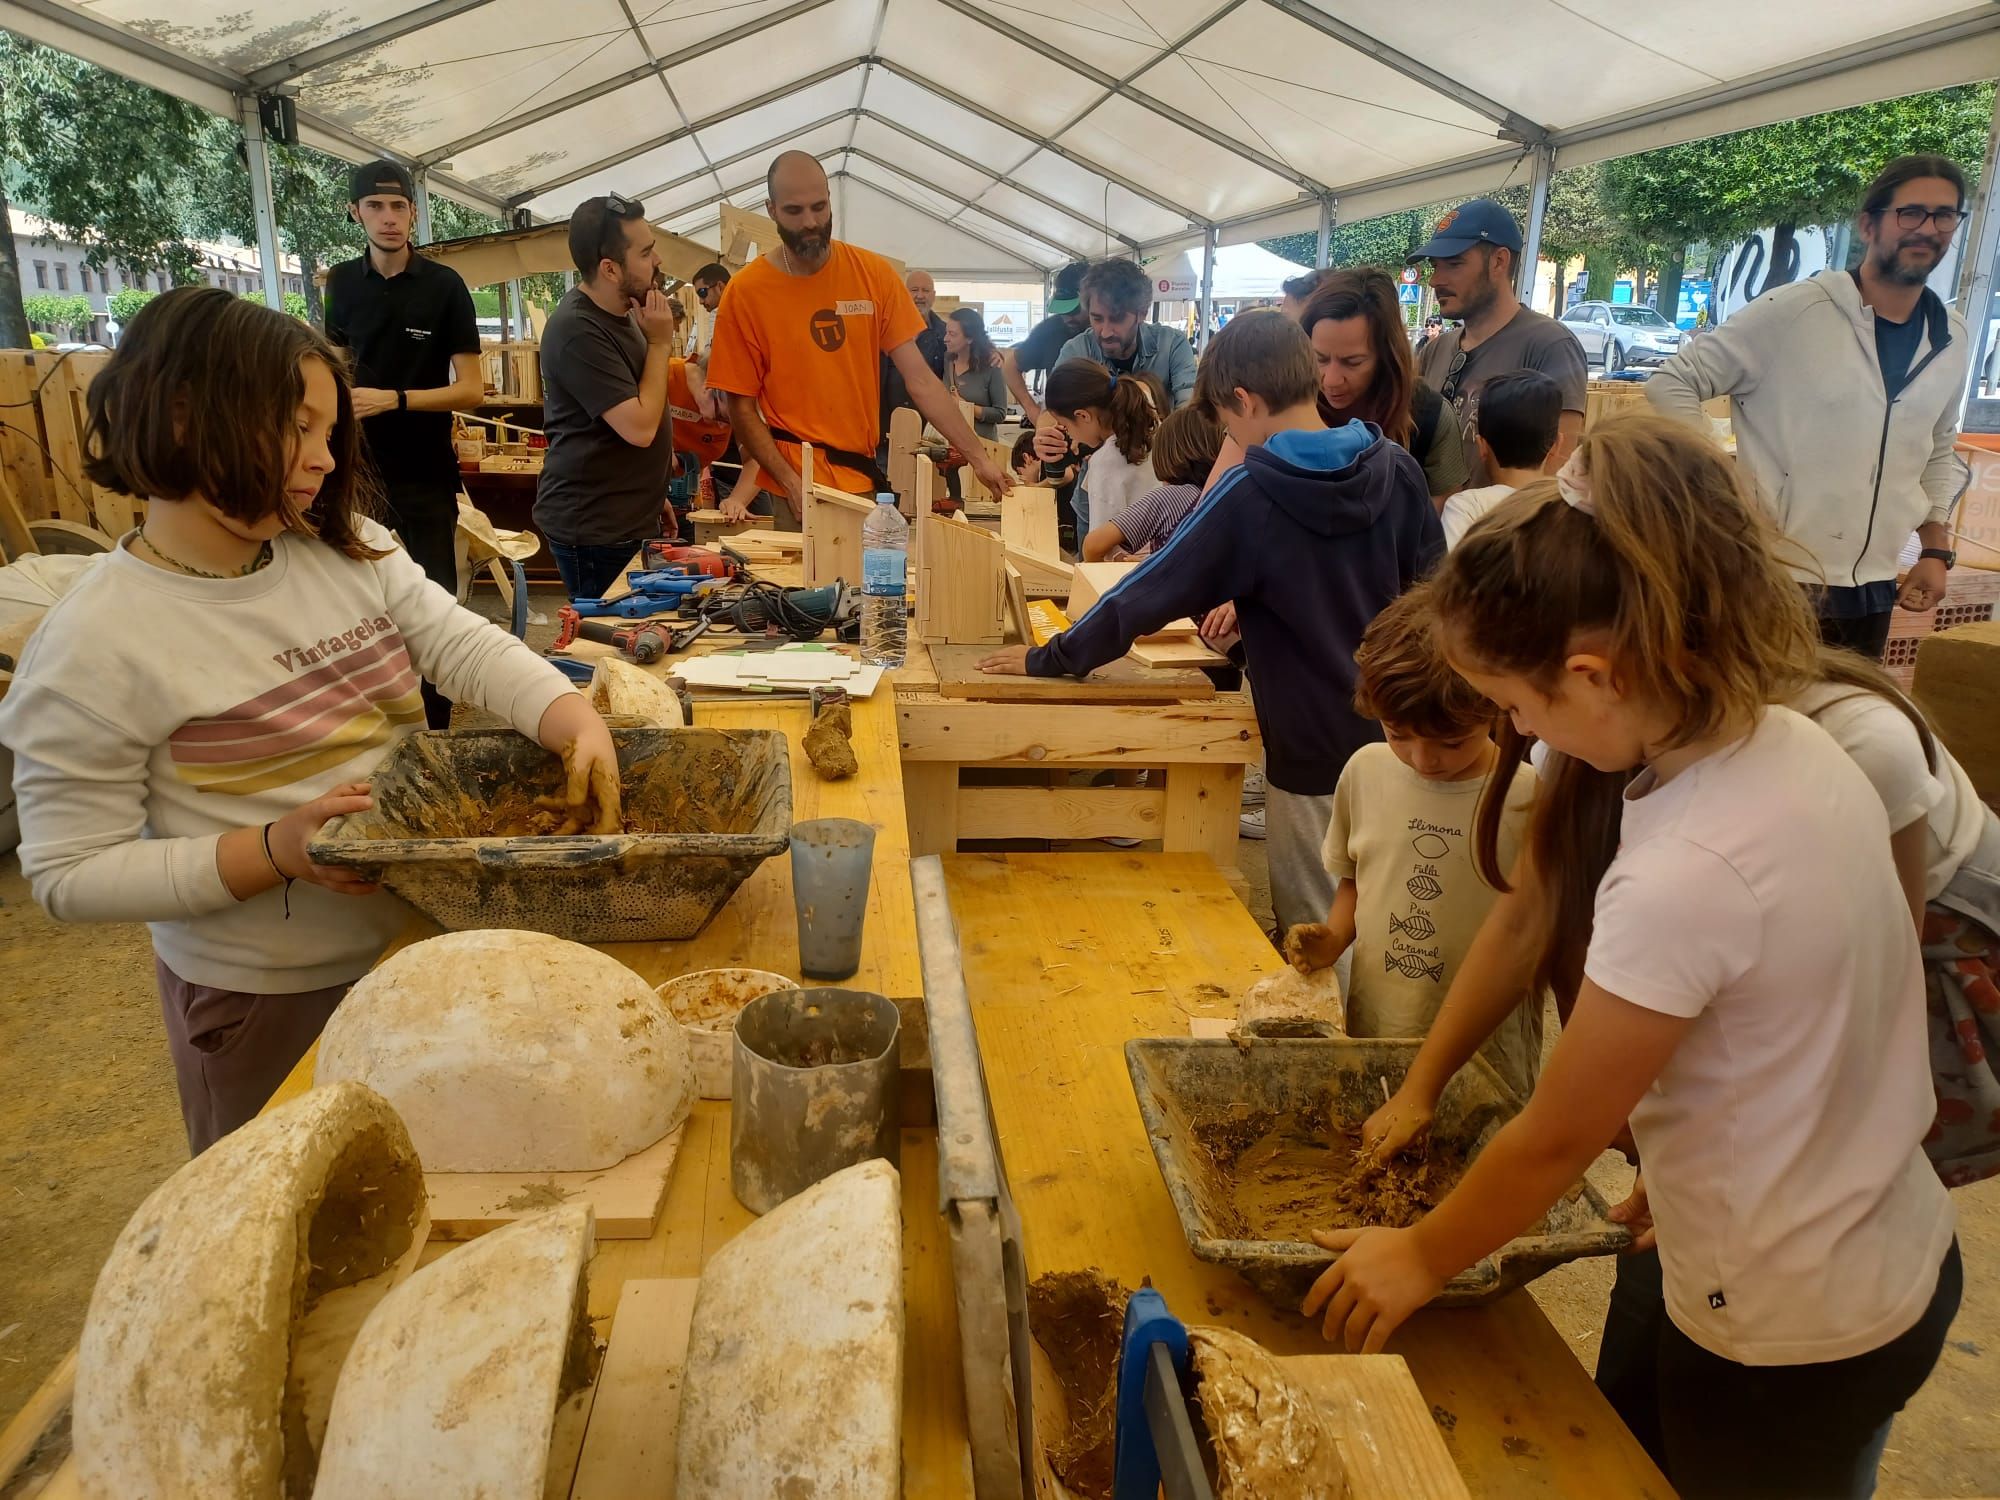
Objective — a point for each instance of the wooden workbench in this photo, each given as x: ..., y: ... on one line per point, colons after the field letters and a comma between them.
x: 1066, y: 957
x: 1197, y: 749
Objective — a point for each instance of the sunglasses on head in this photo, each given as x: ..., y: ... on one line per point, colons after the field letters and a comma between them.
x: 617, y: 210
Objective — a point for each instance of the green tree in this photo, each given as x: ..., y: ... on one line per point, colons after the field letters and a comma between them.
x: 309, y: 197
x: 295, y: 304
x: 107, y: 162
x: 1806, y: 171
x: 70, y: 313
x: 123, y: 306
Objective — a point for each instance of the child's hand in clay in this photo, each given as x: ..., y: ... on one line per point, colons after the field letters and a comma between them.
x: 1312, y: 946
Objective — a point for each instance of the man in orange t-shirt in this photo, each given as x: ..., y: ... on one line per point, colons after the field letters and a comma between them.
x: 799, y: 342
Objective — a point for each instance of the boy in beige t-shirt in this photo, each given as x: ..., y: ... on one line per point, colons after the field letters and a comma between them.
x: 1409, y: 900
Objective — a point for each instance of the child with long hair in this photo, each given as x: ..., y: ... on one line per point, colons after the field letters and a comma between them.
x: 1184, y: 449
x: 1114, y: 418
x: 1747, y: 980
x: 209, y: 694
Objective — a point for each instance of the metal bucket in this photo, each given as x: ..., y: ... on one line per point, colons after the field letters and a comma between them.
x: 815, y: 1083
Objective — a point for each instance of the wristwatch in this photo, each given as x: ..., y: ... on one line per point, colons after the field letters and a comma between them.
x: 403, y: 404
x: 1945, y: 555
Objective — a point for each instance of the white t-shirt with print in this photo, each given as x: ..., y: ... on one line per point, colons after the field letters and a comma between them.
x: 1799, y: 1221
x: 1883, y: 742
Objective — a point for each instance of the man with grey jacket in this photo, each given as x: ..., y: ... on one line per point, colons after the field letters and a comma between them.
x: 1845, y: 392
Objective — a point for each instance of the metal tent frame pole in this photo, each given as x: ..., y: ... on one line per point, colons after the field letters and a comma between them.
x: 1538, y: 209
x: 1975, y: 267
x: 263, y: 210
x: 423, y: 205
x: 1207, y: 285
x: 1323, y: 255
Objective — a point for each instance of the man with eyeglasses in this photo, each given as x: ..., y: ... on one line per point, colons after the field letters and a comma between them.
x: 605, y: 372
x: 1845, y: 391
x: 1475, y: 254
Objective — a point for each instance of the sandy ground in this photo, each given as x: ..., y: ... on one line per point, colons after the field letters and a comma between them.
x: 89, y: 1124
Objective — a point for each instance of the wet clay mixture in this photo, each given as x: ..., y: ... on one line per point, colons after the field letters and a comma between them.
x: 1078, y: 1321
x: 1289, y: 1174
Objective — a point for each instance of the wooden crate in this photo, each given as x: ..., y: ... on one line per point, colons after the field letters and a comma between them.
x: 41, y: 439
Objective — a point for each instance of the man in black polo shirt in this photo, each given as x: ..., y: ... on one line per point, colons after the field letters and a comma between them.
x: 415, y: 339
x: 605, y: 356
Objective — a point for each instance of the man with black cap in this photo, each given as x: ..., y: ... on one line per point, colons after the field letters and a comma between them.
x: 1039, y: 350
x: 415, y: 338
x: 1474, y: 256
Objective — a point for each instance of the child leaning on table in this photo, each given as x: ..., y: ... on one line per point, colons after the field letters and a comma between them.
x: 1750, y: 996
x: 1410, y: 898
x: 222, y: 683
x: 1184, y: 450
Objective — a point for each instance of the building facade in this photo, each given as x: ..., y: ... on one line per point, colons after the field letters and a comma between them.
x: 52, y: 264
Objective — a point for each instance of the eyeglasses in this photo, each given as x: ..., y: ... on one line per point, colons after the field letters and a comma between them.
x: 1915, y: 216
x: 1451, y: 377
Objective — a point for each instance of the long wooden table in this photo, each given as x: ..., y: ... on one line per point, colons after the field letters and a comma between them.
x: 1067, y: 957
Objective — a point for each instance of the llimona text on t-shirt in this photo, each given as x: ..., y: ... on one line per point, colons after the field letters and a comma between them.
x: 1410, y: 946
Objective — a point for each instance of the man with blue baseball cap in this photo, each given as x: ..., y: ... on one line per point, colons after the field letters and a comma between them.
x: 1474, y: 255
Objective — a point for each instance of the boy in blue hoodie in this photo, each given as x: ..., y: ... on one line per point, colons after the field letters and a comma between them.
x: 1311, y: 536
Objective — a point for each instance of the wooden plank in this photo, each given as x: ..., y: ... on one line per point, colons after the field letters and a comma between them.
x: 1017, y: 606
x: 625, y: 1198
x: 1028, y: 521
x: 48, y: 1406
x: 1187, y: 653
x: 1096, y: 734
x: 1204, y: 806
x: 630, y: 1447
x: 21, y: 434
x: 930, y: 789
x: 71, y: 490
x: 831, y: 527
x: 1114, y: 682
x: 1389, y: 1440
x: 1094, y: 580
x: 906, y: 430
x: 961, y: 584
x: 16, y: 541
x: 1042, y: 577
x: 1077, y: 812
x: 1149, y: 941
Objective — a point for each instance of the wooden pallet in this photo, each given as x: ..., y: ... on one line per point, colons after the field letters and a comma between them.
x: 42, y: 424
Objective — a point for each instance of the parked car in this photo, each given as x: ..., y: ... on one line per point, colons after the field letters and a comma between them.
x: 1615, y: 334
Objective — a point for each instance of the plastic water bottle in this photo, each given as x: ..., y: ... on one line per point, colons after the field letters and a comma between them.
x: 885, y: 549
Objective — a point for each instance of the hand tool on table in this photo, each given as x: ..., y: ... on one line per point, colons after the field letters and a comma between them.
x: 643, y: 643
x: 1156, y: 1449
x: 661, y: 553
x: 655, y: 593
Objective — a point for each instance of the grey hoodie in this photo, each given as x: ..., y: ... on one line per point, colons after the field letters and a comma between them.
x: 1847, y: 473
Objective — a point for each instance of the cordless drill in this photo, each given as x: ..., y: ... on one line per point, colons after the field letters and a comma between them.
x: 642, y: 643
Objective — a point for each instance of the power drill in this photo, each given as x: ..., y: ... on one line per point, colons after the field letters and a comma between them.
x: 643, y: 643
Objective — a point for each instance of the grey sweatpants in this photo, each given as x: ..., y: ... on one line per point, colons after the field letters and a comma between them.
x: 1294, y: 835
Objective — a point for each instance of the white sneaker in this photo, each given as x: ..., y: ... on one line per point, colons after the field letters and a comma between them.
x: 1251, y: 823
x: 1253, y: 786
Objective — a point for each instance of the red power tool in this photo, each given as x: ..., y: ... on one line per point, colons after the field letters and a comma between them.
x: 660, y: 553
x: 643, y: 643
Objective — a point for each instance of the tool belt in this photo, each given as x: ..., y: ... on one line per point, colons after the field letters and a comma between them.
x: 863, y: 463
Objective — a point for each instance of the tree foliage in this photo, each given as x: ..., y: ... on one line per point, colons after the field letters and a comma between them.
x: 1805, y: 171
x: 58, y: 310
x: 123, y: 306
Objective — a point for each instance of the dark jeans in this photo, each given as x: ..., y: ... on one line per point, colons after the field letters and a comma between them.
x: 425, y: 517
x: 1866, y: 634
x: 1761, y: 1432
x: 588, y: 571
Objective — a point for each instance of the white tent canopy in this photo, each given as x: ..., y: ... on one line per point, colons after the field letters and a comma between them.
x: 1242, y: 273
x: 1001, y: 138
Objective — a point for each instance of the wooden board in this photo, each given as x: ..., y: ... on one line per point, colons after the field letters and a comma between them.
x: 831, y: 529
x: 1069, y: 956
x: 1388, y: 1438
x: 1187, y: 652
x: 626, y: 1198
x: 1028, y: 521
x: 1115, y: 682
x: 630, y: 1447
x: 961, y: 583
x: 1043, y: 578
x: 1094, y: 580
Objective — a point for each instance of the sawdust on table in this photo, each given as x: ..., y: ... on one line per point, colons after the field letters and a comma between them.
x: 1290, y: 1173
x: 1078, y: 1320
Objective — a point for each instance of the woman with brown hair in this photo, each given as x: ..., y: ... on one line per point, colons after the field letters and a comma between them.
x: 224, y: 682
x: 1365, y: 371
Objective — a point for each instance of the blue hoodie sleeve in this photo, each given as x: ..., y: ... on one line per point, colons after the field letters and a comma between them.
x: 1204, y: 564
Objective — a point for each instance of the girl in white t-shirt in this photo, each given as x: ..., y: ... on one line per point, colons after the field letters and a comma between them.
x: 1115, y: 417
x: 1749, y: 997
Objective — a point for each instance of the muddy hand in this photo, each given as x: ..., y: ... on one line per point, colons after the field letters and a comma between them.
x: 1396, y: 1126
x: 1379, y: 1280
x: 604, y: 791
x: 1309, y: 947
